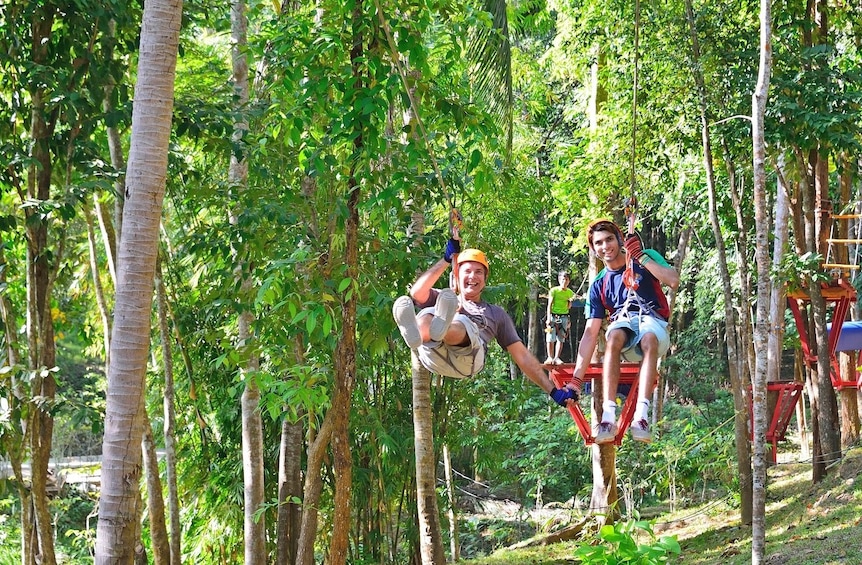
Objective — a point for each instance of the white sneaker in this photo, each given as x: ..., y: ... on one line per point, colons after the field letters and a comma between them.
x: 606, y: 433
x: 549, y: 360
x: 405, y: 316
x: 640, y: 431
x: 558, y: 361
x: 444, y: 312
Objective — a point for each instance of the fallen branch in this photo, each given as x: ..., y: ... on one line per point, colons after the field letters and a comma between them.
x: 566, y: 534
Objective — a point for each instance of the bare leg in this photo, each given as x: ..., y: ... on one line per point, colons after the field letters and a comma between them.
x: 649, y: 366
x: 611, y: 364
x: 455, y: 335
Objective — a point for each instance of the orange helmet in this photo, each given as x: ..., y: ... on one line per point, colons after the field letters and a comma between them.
x: 474, y: 255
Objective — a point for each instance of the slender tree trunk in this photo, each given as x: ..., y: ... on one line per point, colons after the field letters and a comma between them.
x: 454, y: 544
x: 40, y: 331
x: 830, y: 427
x: 740, y: 392
x: 534, y: 343
x: 290, y: 480
x: 110, y: 236
x: 104, y: 311
x: 170, y: 417
x: 252, y: 426
x: 311, y: 491
x: 430, y: 535
x: 289, y: 489
x: 146, y: 177
x: 758, y: 112
x: 345, y: 351
x: 155, y: 502
x: 16, y: 426
x: 778, y: 301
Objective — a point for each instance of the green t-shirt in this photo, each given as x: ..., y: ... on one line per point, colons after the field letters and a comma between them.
x: 559, y: 298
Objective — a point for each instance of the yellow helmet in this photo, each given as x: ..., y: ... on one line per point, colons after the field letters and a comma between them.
x: 474, y: 255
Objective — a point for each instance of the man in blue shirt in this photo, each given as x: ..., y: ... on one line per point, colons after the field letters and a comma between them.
x: 634, y: 303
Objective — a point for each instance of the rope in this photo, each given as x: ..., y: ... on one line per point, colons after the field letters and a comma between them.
x: 635, y: 95
x: 456, y: 221
x: 415, y: 107
x: 631, y: 202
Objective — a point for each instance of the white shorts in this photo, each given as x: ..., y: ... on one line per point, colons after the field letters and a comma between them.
x: 638, y: 325
x: 457, y: 361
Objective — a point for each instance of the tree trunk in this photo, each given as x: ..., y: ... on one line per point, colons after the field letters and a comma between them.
x: 111, y: 229
x: 15, y: 431
x: 454, y: 544
x: 311, y: 491
x: 252, y: 426
x: 830, y: 427
x: 156, y: 502
x: 170, y: 417
x: 605, y: 497
x: 146, y: 176
x: 104, y: 311
x: 534, y: 343
x: 430, y: 536
x: 740, y: 390
x: 40, y: 331
x: 289, y: 489
x: 761, y: 213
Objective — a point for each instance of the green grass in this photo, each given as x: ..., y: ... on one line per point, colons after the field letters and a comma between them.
x: 807, y: 524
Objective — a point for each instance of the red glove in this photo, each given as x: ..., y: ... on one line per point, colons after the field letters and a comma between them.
x: 634, y: 247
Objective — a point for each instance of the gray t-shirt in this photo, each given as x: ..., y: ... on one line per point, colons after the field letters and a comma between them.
x: 493, y: 322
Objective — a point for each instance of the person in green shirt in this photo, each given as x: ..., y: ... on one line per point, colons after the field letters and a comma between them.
x: 557, y: 322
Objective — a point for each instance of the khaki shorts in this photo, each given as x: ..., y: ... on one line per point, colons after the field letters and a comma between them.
x: 638, y: 325
x: 458, y: 361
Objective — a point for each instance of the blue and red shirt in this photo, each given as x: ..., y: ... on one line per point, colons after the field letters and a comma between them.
x: 608, y: 294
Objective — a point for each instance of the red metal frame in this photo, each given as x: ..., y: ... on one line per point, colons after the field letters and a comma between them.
x: 629, y: 372
x: 842, y: 294
x: 788, y: 395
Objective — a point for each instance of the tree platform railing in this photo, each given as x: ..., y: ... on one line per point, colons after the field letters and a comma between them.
x: 841, y: 294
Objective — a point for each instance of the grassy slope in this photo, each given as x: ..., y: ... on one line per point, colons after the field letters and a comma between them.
x: 806, y: 524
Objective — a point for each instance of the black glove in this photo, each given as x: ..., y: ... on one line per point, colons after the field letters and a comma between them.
x: 453, y: 246
x: 634, y: 247
x: 561, y: 395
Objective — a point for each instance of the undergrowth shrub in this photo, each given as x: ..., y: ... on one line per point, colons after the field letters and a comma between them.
x: 620, y: 546
x: 694, y: 460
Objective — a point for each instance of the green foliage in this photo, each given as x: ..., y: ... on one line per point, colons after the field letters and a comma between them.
x: 620, y: 546
x: 693, y: 459
x: 800, y: 271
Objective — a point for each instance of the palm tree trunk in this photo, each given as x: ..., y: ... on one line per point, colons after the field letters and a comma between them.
x: 146, y: 177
